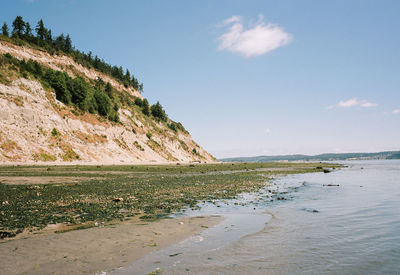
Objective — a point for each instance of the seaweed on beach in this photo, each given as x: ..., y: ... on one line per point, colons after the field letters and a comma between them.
x: 116, y: 193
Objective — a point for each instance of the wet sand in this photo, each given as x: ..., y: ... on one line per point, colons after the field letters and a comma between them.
x: 96, y: 249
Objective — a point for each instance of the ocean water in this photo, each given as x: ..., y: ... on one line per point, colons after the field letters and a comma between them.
x: 353, y: 228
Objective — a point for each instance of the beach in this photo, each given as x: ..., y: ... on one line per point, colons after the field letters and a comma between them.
x: 344, y: 222
x: 96, y: 249
x: 90, y: 219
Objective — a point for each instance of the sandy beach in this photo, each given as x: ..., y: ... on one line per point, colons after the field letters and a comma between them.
x: 97, y: 249
x: 38, y: 202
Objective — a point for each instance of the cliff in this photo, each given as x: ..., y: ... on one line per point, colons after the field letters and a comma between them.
x: 37, y: 127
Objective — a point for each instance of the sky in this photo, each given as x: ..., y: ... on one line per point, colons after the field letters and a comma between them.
x: 252, y: 77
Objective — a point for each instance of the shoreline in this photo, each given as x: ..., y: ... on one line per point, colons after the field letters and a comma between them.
x: 46, y: 200
x: 97, y: 249
x: 98, y: 163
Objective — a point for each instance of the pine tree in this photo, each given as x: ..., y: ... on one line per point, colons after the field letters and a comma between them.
x: 145, y: 107
x: 59, y: 42
x: 41, y: 30
x: 18, y: 27
x: 120, y: 73
x: 127, y: 75
x: 140, y: 88
x: 48, y: 37
x: 28, y: 30
x: 158, y: 112
x: 67, y: 44
x: 5, y: 30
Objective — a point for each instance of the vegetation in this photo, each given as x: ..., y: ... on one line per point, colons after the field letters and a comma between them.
x: 321, y: 157
x: 55, y: 133
x: 145, y: 107
x: 82, y: 94
x: 71, y: 91
x: 44, y: 157
x: 22, y: 33
x: 9, y: 145
x: 158, y: 112
x: 109, y: 193
x: 96, y: 97
x: 175, y: 126
x: 5, y: 30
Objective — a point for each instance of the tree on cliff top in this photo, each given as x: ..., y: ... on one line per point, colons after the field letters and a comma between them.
x: 40, y: 30
x: 4, y: 29
x: 18, y: 27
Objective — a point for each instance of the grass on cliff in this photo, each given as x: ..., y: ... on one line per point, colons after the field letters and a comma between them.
x: 112, y: 193
x: 85, y: 95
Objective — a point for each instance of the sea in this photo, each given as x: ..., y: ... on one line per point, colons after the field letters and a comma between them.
x: 343, y: 222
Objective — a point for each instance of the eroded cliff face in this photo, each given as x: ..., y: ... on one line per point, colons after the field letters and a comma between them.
x: 35, y: 127
x: 61, y: 63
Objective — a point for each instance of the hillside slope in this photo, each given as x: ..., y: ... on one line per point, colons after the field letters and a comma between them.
x: 36, y: 127
x: 321, y: 157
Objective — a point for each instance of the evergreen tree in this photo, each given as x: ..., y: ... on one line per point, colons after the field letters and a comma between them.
x: 18, y: 27
x: 127, y: 75
x: 96, y: 62
x: 44, y: 38
x: 59, y: 42
x: 120, y: 73
x: 67, y: 44
x: 41, y: 30
x: 48, y: 37
x: 141, y: 88
x: 158, y: 112
x: 145, y: 107
x: 138, y: 101
x: 28, y: 30
x: 5, y: 30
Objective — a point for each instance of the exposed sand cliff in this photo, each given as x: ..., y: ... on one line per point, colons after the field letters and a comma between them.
x: 29, y: 113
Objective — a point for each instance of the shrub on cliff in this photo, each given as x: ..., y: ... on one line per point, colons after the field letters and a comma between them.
x: 138, y: 102
x: 103, y: 103
x: 58, y: 81
x: 158, y: 112
x: 78, y: 88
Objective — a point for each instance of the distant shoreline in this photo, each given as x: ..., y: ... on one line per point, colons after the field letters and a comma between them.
x: 320, y: 157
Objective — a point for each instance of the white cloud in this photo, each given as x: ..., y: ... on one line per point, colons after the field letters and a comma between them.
x: 267, y: 131
x: 396, y: 111
x: 232, y: 19
x: 349, y: 103
x: 353, y: 102
x: 367, y: 104
x: 253, y: 41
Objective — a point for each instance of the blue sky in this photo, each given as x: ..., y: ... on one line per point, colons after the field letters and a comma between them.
x: 251, y: 77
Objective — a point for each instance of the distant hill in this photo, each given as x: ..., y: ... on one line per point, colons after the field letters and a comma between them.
x: 321, y: 157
